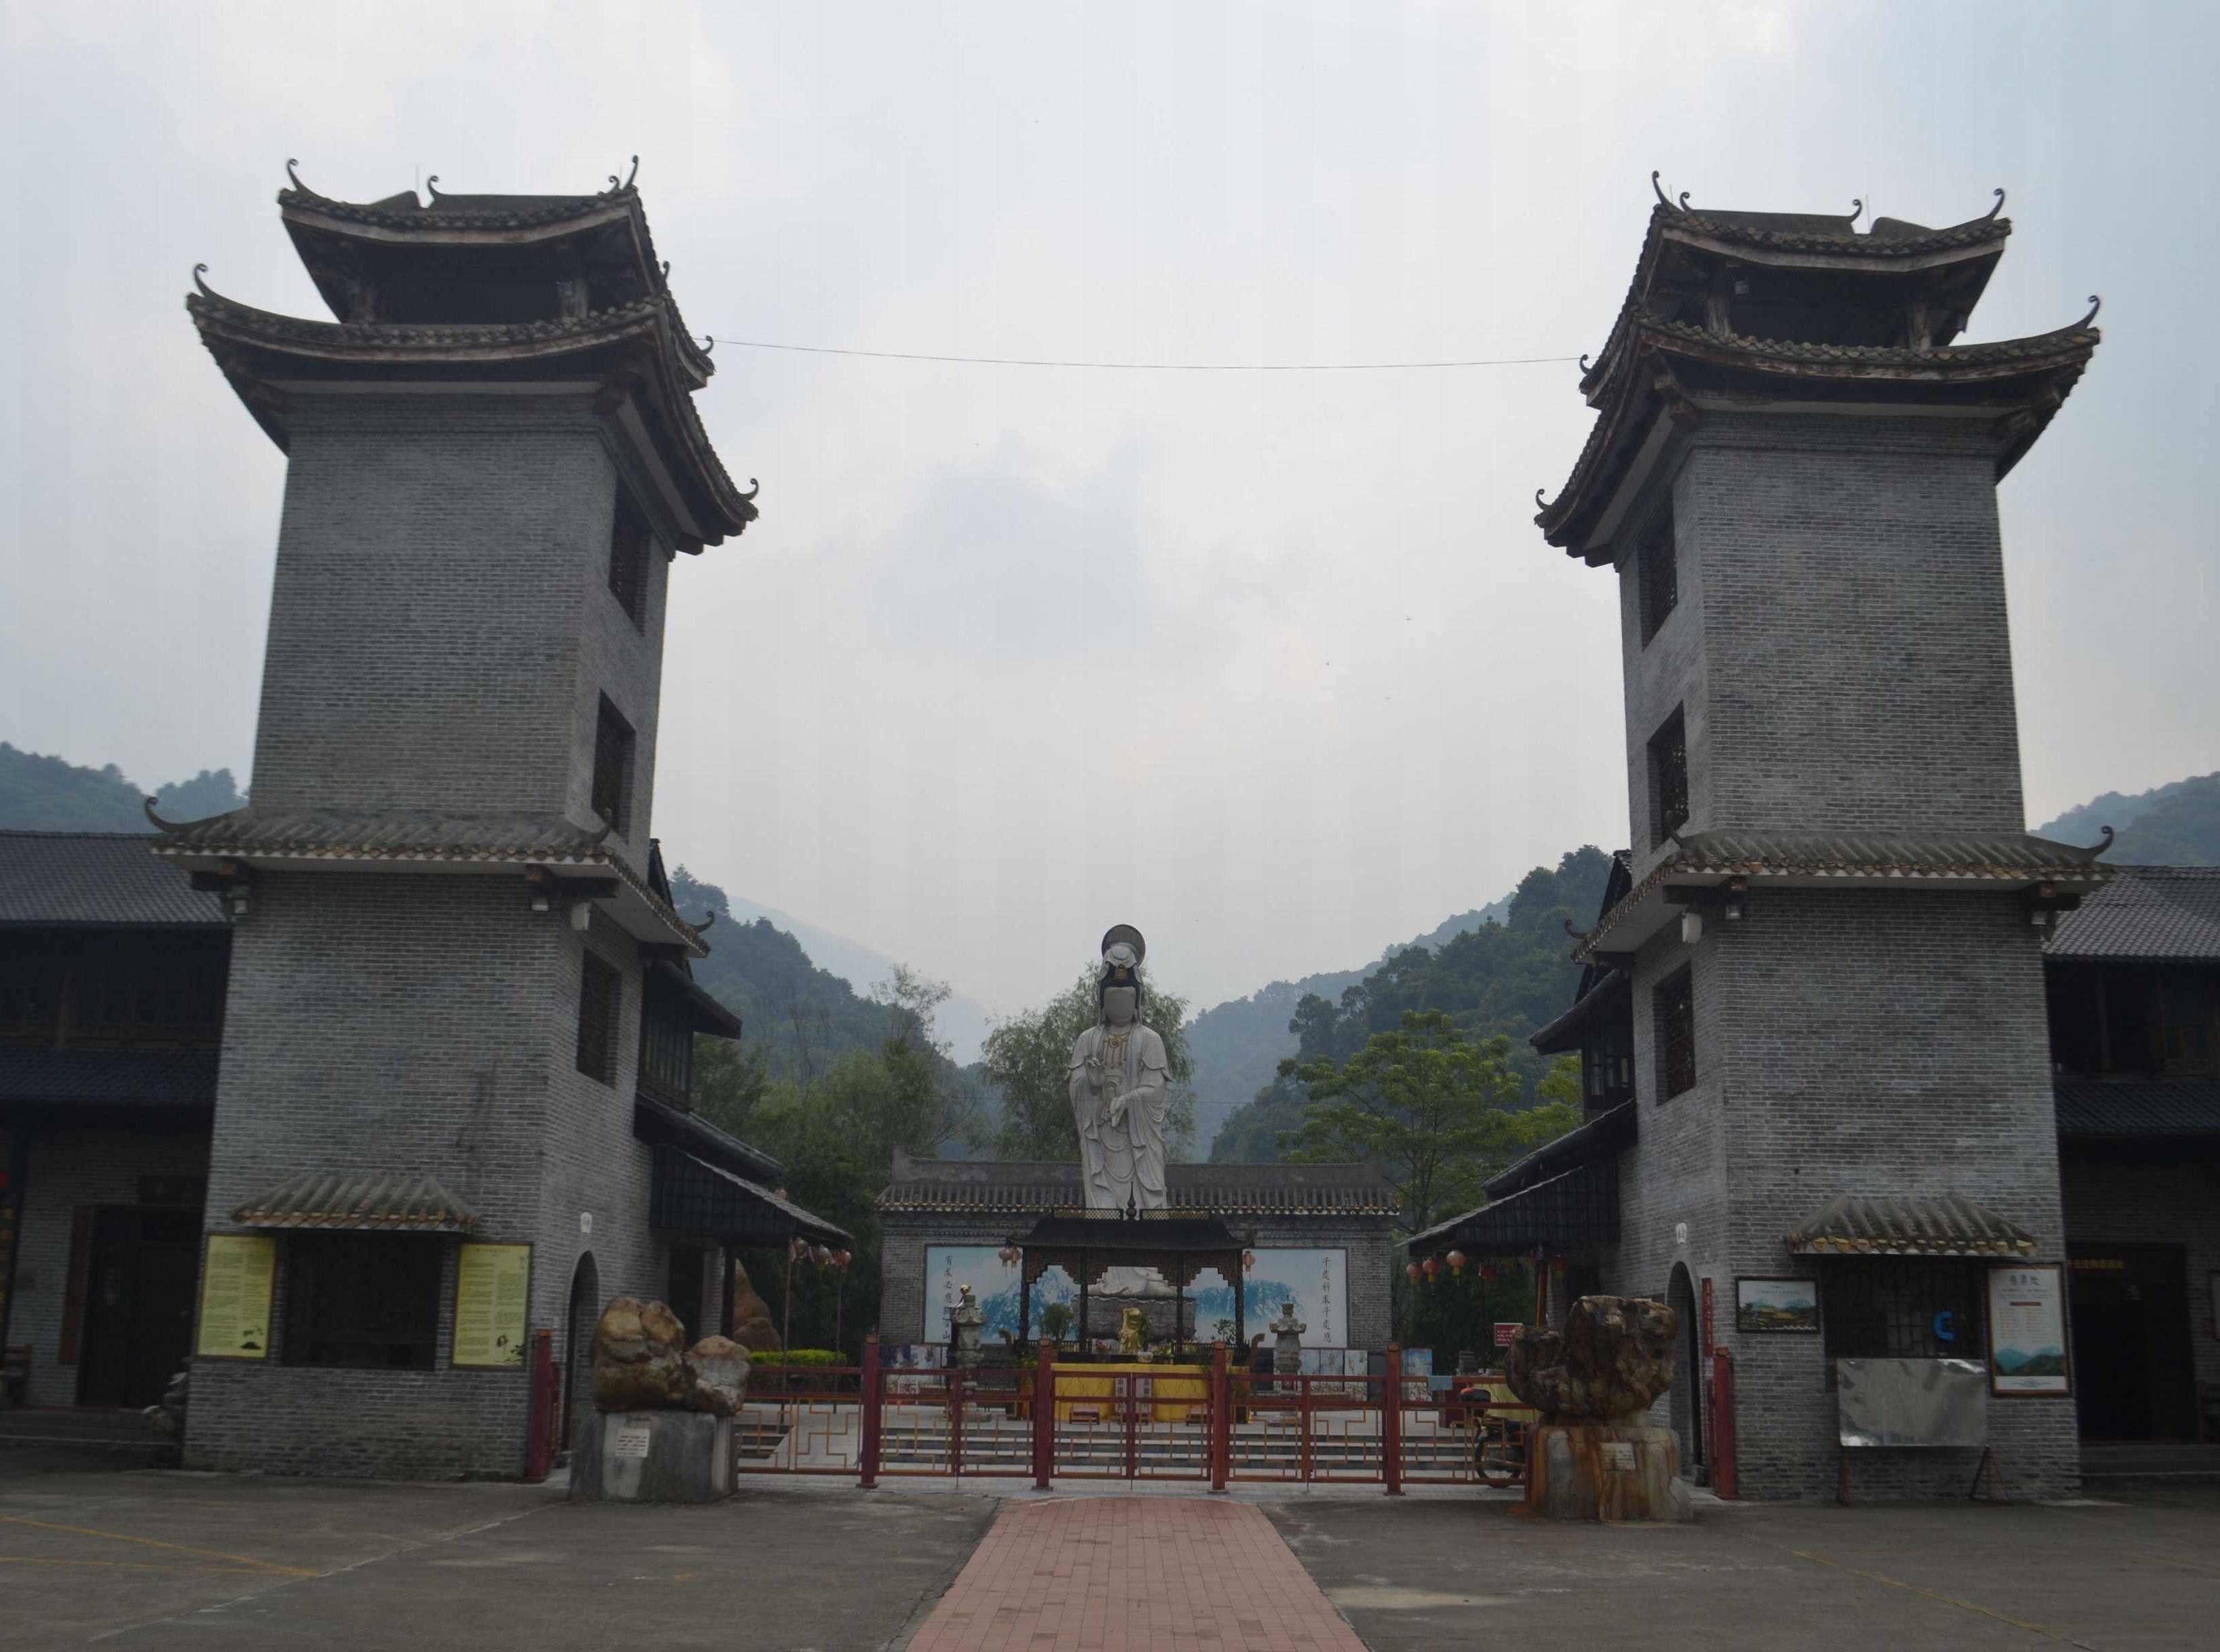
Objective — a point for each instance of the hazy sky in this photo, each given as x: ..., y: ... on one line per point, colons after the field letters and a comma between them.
x: 1272, y: 664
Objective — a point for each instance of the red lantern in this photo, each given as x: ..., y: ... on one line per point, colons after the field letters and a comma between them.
x: 1456, y: 1260
x: 1411, y: 1271
x: 841, y: 1258
x: 1433, y: 1266
x: 822, y: 1256
x: 1248, y: 1260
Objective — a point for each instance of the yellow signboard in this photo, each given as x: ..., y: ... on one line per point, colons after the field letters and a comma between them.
x: 235, y: 1297
x: 491, y: 1286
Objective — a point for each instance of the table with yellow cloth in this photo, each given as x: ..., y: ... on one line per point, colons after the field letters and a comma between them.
x: 1175, y: 1390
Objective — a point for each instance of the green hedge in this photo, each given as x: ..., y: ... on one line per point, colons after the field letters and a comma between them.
x: 799, y: 1357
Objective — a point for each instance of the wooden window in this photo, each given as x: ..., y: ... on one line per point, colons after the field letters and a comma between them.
x: 630, y: 543
x: 29, y: 998
x: 613, y: 741
x: 1659, y: 570
x: 666, y: 1046
x: 1607, y: 1060
x: 600, y: 1000
x: 369, y: 1301
x: 1669, y: 778
x: 1908, y: 1308
x: 1673, y: 1006
x: 2186, y: 1007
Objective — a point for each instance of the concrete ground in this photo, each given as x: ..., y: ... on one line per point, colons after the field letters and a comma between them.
x: 91, y: 1552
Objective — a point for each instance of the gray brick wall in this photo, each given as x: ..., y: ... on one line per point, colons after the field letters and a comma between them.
x: 419, y: 1023
x: 69, y: 1168
x: 1861, y: 1042
x: 1372, y: 1244
x: 1840, y: 644
x: 441, y: 627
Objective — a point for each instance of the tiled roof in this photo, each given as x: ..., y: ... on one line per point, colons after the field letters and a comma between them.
x: 1603, y: 1137
x: 110, y: 880
x: 981, y: 1186
x: 157, y: 1078
x: 380, y: 1201
x: 2008, y: 858
x: 2145, y: 913
x: 1945, y: 1226
x: 2038, y: 346
x: 517, y: 837
x: 2139, y: 1107
x: 454, y: 211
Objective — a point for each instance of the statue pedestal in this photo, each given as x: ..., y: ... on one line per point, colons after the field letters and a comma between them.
x: 1606, y: 1471
x: 652, y: 1457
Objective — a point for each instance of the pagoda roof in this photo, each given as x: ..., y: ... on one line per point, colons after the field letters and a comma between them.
x: 335, y: 238
x: 641, y: 347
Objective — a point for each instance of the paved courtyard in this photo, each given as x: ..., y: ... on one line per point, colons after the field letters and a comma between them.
x: 92, y: 1553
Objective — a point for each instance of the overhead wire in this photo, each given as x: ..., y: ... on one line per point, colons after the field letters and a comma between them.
x: 1150, y: 366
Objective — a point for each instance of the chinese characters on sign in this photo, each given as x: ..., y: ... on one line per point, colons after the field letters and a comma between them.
x: 491, y: 1283
x: 235, y: 1297
x: 2027, y: 1329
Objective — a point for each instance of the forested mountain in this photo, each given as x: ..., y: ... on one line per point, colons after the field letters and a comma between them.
x: 799, y: 1019
x: 2175, y: 825
x: 1509, y: 977
x: 1238, y: 1045
x: 44, y: 794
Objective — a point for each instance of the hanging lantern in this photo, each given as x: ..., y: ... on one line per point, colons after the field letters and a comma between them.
x: 822, y: 1256
x: 1411, y: 1271
x: 1456, y: 1260
x: 1248, y: 1261
x: 798, y: 1250
x: 841, y: 1258
x: 1433, y: 1267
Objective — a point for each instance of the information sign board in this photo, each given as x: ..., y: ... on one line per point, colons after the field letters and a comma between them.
x: 236, y: 1288
x: 492, y: 1288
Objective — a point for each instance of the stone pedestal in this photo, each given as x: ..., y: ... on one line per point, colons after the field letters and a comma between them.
x: 654, y: 1457
x: 1606, y: 1471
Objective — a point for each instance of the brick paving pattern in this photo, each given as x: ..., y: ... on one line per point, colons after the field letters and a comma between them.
x: 1108, y: 1573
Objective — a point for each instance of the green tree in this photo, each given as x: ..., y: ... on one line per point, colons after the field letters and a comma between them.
x: 1026, y: 1061
x: 1436, y: 1111
x: 1561, y: 1084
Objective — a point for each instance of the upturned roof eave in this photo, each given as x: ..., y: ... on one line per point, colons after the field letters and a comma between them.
x: 1874, y: 373
x: 228, y: 327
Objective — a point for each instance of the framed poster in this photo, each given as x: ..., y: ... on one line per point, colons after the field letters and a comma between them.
x: 1769, y: 1305
x: 235, y: 1279
x: 2027, y: 1331
x: 492, y: 1286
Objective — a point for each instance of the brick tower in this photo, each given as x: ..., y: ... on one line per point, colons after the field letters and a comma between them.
x: 460, y: 1007
x: 1824, y: 950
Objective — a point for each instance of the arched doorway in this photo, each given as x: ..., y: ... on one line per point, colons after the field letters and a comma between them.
x: 1687, y: 1395
x: 578, y: 1344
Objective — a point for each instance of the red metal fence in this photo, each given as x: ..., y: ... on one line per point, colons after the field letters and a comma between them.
x: 1048, y: 1423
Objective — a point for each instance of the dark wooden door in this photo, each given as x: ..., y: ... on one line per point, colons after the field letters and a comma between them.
x: 144, y: 1267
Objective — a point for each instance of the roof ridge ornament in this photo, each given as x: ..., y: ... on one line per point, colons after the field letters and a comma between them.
x: 616, y: 188
x: 1995, y: 209
x: 2095, y: 304
x: 2092, y: 851
x: 1682, y: 209
x: 1540, y: 503
x: 1585, y: 369
x: 207, y: 292
x: 290, y: 163
x: 160, y: 825
x: 754, y: 488
x: 432, y: 188
x: 1857, y: 209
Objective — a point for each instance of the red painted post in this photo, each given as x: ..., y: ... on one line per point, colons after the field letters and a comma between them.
x: 1723, y: 1479
x: 955, y: 1423
x: 1132, y: 1426
x: 1044, y: 1415
x: 1221, y: 1419
x: 1391, y: 1422
x: 539, y: 1431
x: 872, y: 1387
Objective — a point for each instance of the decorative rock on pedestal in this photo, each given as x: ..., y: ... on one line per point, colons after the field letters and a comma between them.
x: 654, y: 1457
x: 662, y: 1428
x: 1588, y: 1459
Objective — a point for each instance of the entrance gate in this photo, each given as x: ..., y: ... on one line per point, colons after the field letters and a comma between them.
x: 1213, y: 1424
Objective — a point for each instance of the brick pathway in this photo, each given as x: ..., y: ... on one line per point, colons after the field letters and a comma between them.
x: 1124, y: 1574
